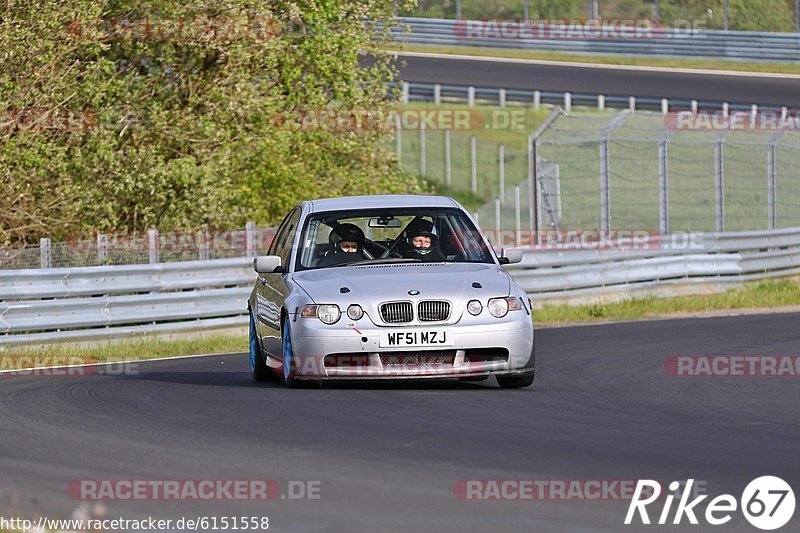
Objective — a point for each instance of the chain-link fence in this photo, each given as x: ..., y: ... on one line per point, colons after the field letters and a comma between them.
x: 679, y: 172
x: 150, y: 247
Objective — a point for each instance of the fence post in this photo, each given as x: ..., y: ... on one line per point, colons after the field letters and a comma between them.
x: 726, y: 109
x: 753, y: 115
x: 664, y: 106
x: 605, y: 194
x: 448, y: 169
x: 470, y: 96
x: 632, y: 103
x: 473, y: 148
x: 45, y: 253
x: 567, y: 102
x: 663, y: 190
x: 497, y: 222
x: 537, y: 99
x: 601, y: 102
x: 771, y: 180
x: 205, y: 246
x: 152, y: 245
x: 250, y: 238
x: 102, y: 248
x: 501, y: 170
x: 406, y: 91
x: 437, y: 94
x: 397, y: 138
x: 533, y: 188
x: 501, y: 97
x: 423, y: 164
x: 517, y: 217
x: 694, y: 107
x: 719, y: 182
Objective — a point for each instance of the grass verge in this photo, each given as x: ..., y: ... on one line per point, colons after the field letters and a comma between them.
x: 760, y: 295
x: 705, y: 64
x: 106, y: 352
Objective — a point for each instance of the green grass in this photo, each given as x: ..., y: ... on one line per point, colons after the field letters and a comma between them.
x: 760, y: 295
x: 708, y: 64
x: 106, y: 352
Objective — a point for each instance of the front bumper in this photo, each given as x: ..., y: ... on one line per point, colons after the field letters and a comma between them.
x: 313, y: 343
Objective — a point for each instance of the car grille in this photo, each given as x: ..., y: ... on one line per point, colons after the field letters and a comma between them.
x: 406, y: 359
x: 397, y: 312
x: 433, y: 310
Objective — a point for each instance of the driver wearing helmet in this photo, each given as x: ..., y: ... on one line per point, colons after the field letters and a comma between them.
x: 423, y: 242
x: 348, y: 245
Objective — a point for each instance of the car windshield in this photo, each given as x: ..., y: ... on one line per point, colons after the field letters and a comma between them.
x: 371, y: 236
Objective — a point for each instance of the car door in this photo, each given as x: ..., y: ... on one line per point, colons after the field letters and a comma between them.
x: 272, y: 290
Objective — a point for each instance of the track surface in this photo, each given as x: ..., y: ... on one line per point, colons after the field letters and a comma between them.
x: 703, y: 87
x: 387, y: 456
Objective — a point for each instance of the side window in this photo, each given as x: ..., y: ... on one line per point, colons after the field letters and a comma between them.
x: 285, y: 237
x: 279, y: 235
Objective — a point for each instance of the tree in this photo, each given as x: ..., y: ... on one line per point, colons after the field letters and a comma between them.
x: 162, y: 114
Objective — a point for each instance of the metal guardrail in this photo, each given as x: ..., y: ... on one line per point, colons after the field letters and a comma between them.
x: 440, y: 93
x: 46, y: 305
x: 720, y: 260
x: 712, y: 44
x: 123, y: 301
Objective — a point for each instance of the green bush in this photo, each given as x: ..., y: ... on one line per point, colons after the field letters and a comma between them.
x: 180, y: 131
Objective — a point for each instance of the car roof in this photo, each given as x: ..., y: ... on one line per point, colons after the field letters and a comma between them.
x: 379, y: 201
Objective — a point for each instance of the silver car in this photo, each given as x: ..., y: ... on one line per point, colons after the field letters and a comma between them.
x: 387, y: 287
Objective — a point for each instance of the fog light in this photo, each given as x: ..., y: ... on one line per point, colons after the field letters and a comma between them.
x: 354, y: 312
x: 474, y: 307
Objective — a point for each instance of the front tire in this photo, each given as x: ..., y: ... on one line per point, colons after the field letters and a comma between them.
x: 258, y: 367
x: 289, y: 367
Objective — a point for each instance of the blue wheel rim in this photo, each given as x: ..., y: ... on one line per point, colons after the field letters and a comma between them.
x: 253, y: 346
x: 287, y: 351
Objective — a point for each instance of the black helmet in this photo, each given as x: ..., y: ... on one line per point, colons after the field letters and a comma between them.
x: 421, y: 227
x: 346, y: 232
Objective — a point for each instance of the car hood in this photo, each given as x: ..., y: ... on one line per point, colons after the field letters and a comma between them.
x: 369, y: 285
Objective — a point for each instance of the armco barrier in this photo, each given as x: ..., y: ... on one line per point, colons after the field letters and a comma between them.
x: 713, y: 44
x: 48, y: 305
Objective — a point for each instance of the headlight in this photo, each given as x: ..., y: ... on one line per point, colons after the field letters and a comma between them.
x: 474, y: 307
x: 327, y: 313
x: 499, y: 307
x: 354, y: 312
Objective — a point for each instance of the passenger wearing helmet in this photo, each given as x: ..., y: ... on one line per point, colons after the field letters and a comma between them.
x: 348, y: 245
x: 422, y: 243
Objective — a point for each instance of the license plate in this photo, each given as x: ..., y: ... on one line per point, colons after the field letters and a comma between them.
x: 425, y: 338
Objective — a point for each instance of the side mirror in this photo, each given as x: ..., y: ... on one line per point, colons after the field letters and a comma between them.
x: 510, y: 256
x: 267, y: 264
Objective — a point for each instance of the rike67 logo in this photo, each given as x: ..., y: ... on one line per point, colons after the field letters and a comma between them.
x: 767, y: 503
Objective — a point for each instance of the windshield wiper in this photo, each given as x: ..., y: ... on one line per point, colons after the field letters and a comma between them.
x: 378, y: 261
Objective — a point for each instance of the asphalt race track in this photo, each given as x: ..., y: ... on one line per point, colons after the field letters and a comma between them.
x: 388, y: 455
x: 703, y: 87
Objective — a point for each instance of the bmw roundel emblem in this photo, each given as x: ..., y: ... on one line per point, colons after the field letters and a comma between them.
x: 413, y: 292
